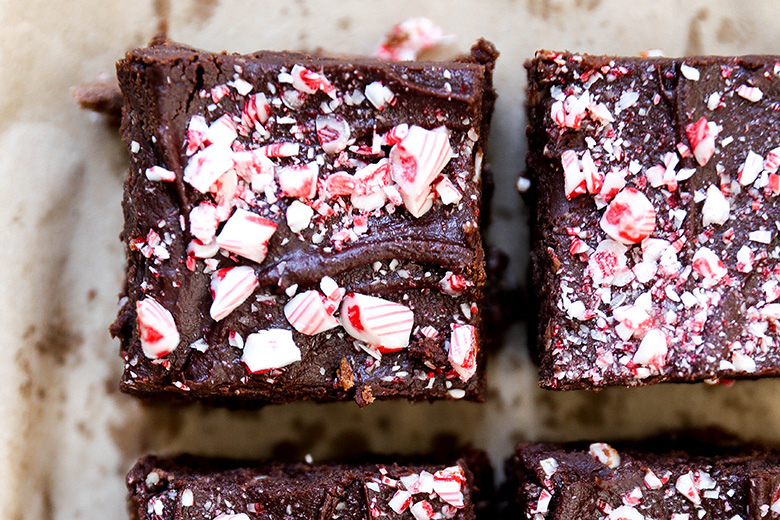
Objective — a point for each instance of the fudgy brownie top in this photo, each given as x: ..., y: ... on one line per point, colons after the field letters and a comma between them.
x: 301, y: 226
x: 656, y: 240
x: 601, y: 483
x: 206, y: 489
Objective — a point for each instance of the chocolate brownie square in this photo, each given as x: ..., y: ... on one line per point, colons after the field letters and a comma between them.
x: 303, y: 228
x: 639, y: 482
x: 187, y: 487
x: 655, y: 243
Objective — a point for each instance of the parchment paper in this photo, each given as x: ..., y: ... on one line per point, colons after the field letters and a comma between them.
x: 67, y: 437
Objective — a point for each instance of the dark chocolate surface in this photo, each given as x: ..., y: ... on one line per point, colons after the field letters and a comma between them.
x: 706, y: 296
x: 577, y: 481
x: 399, y: 258
x: 198, y: 488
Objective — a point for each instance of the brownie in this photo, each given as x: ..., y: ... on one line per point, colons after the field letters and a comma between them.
x: 303, y: 228
x: 600, y: 482
x: 197, y: 488
x: 655, y: 228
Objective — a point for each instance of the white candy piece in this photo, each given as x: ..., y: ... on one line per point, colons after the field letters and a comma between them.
x: 158, y: 173
x: 299, y: 216
x: 268, y: 349
x: 247, y: 234
x: 332, y: 132
x: 231, y: 287
x: 309, y: 82
x: 630, y: 217
x: 222, y: 131
x: 448, y: 193
x: 205, y: 167
x: 752, y: 166
x: 716, y: 207
x: 709, y: 266
x: 299, y: 181
x: 573, y: 176
x: 625, y: 513
x: 377, y: 321
x: 379, y: 95
x: 367, y: 192
x: 463, y: 351
x: 204, y: 222
x: 652, y: 350
x: 308, y: 314
x: 415, y: 162
x: 156, y: 328
x: 400, y: 501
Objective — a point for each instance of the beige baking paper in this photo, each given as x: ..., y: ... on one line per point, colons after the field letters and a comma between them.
x: 67, y: 437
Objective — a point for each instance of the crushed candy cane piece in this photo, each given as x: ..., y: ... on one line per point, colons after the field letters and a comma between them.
x: 309, y: 82
x: 204, y: 222
x: 332, y: 132
x: 367, y: 192
x: 463, y: 351
x: 685, y: 487
x: 379, y: 95
x: 222, y: 131
x: 652, y: 350
x: 230, y: 287
x: 716, y: 207
x: 308, y: 314
x: 750, y: 169
x: 269, y: 349
x: 299, y: 181
x: 448, y: 193
x: 752, y: 94
x: 156, y: 328
x: 448, y: 484
x: 415, y: 162
x: 709, y: 266
x: 574, y: 178
x: 408, y: 38
x: 158, y: 173
x: 702, y: 135
x: 208, y: 165
x: 376, y: 321
x: 247, y: 234
x: 630, y: 217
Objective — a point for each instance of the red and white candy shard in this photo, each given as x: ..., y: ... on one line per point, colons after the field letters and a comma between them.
x: 453, y: 284
x: 716, y: 207
x: 749, y: 171
x: 608, y: 264
x: 772, y: 161
x: 196, y: 134
x: 463, y: 351
x: 409, y: 38
x: 156, y: 328
x: 158, y: 173
x: 256, y: 110
x: 709, y: 266
x: 340, y: 183
x: 367, y: 192
x: 652, y: 350
x: 225, y: 516
x: 208, y: 165
x: 377, y: 321
x: 251, y: 163
x: 309, y: 82
x: 379, y: 95
x: 299, y: 181
x: 268, y: 349
x: 198, y: 249
x: 448, y: 484
x: 247, y: 234
x: 573, y: 176
x: 308, y: 313
x: 630, y: 217
x: 448, y: 193
x: 395, y: 135
x: 332, y: 132
x: 701, y: 135
x: 280, y: 149
x: 752, y: 94
x: 605, y: 454
x: 204, y: 222
x: 230, y: 287
x: 423, y: 510
x: 625, y: 513
x: 400, y: 501
x: 222, y: 131
x: 685, y: 487
x: 415, y: 162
